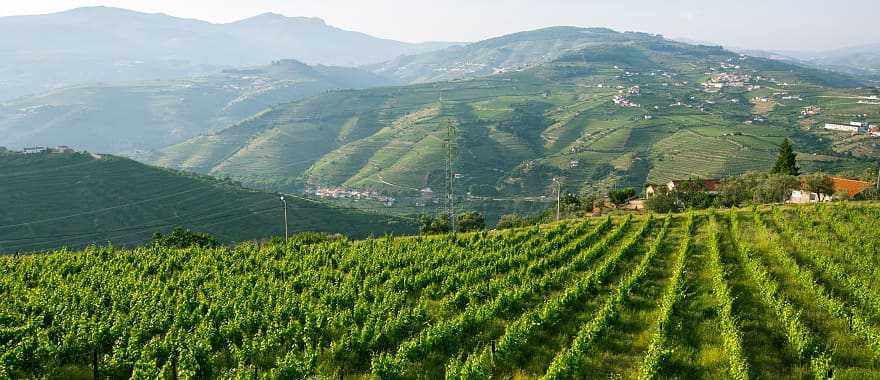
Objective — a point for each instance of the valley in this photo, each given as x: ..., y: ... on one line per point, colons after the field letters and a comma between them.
x: 625, y: 110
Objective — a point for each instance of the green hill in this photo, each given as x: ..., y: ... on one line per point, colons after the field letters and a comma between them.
x: 506, y: 53
x: 518, y: 130
x: 50, y: 200
x: 131, y: 118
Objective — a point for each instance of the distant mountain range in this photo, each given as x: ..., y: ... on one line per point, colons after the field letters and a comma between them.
x: 861, y: 60
x: 133, y: 117
x: 100, y: 44
x: 50, y: 200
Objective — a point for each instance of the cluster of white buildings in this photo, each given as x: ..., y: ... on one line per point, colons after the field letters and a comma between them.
x: 343, y: 193
x: 854, y: 127
x: 811, y: 111
x: 722, y: 80
x: 623, y: 101
x: 44, y: 149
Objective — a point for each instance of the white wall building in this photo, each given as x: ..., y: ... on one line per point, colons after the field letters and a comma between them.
x: 844, y: 127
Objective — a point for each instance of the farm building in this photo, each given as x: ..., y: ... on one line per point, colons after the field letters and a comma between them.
x: 426, y: 193
x: 62, y: 149
x: 35, y: 150
x: 850, y: 186
x: 844, y: 127
x: 651, y: 189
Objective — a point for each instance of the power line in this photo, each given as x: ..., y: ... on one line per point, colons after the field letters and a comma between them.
x: 99, y: 210
x: 450, y: 174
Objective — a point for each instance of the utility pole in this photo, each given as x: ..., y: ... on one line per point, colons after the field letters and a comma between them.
x: 558, y: 196
x: 284, y: 203
x: 878, y: 176
x: 450, y: 174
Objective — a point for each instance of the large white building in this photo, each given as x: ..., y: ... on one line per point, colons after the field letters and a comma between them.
x: 844, y: 127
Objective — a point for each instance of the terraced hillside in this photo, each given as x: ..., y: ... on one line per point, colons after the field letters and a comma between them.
x: 134, y: 117
x: 740, y: 294
x: 495, y: 55
x: 52, y: 200
x: 516, y: 131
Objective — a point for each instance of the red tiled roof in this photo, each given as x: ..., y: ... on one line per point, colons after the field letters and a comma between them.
x: 851, y: 186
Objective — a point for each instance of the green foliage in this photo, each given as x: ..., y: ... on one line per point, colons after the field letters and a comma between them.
x: 760, y: 188
x: 508, y: 221
x: 776, y: 188
x: 470, y: 221
x: 622, y: 196
x: 183, y: 238
x: 662, y: 202
x: 786, y: 161
x: 429, y: 225
x: 465, y: 222
x: 819, y: 183
x: 730, y: 330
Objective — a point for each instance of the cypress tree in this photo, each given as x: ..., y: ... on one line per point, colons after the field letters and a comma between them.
x: 786, y: 163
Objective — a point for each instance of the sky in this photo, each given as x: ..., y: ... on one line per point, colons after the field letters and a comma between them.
x: 802, y: 25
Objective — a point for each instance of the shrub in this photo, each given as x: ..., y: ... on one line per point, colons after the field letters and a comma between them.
x: 621, y: 196
x: 471, y: 221
x: 183, y: 238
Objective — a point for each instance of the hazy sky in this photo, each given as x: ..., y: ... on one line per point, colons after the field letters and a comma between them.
x: 759, y: 24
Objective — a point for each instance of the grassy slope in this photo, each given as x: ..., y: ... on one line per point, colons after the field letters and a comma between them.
x: 53, y: 200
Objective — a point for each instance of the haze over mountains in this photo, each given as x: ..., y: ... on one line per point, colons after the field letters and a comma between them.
x: 100, y: 44
x: 133, y: 117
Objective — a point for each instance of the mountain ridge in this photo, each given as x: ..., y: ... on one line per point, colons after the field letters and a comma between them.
x: 103, y: 44
x: 141, y: 116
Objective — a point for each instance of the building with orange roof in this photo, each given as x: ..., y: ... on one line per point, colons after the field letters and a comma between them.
x: 851, y: 186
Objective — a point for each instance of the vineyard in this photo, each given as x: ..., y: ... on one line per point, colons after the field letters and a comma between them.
x: 774, y: 292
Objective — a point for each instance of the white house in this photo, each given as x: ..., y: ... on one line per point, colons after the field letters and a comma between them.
x: 801, y: 196
x: 35, y: 150
x: 844, y: 127
x: 427, y: 193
